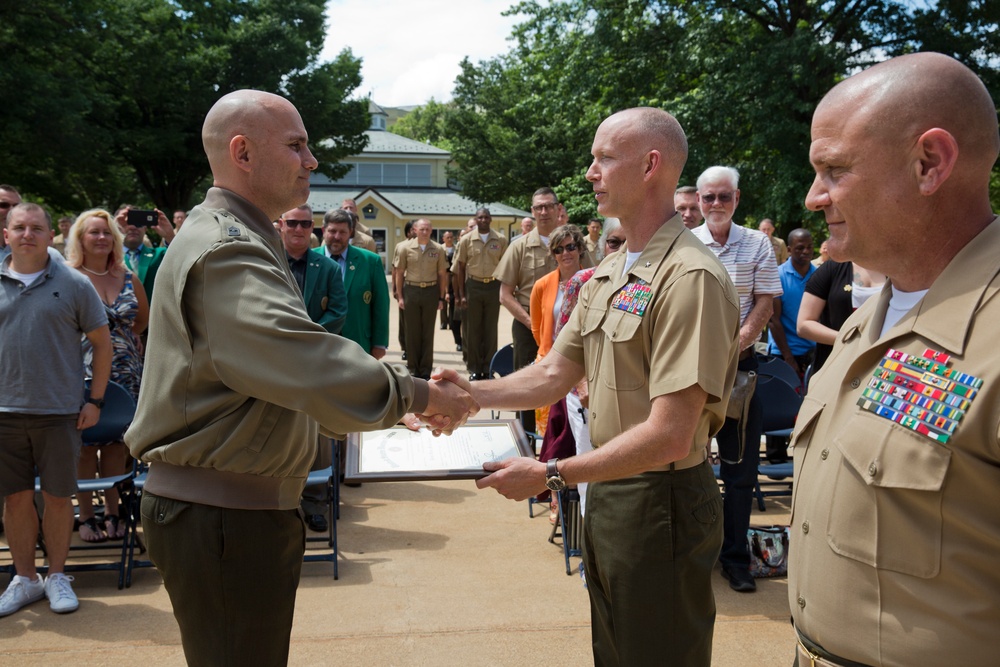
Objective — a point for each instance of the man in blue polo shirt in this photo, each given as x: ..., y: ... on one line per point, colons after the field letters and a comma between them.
x: 783, y: 339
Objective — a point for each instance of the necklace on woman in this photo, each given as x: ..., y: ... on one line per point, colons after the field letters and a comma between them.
x: 96, y: 273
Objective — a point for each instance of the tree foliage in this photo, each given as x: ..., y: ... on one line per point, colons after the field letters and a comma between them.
x: 112, y: 93
x: 742, y: 76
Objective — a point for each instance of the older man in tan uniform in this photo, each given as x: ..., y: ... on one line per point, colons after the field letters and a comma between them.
x: 895, y: 526
x: 656, y: 333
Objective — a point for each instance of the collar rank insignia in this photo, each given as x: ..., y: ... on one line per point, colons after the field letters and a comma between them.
x: 233, y: 230
x: 633, y: 298
x: 920, y: 393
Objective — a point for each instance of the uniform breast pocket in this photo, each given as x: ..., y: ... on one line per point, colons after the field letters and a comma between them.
x: 886, y: 508
x: 624, y: 369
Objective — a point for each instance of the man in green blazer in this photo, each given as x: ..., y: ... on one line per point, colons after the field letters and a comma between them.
x: 364, y: 279
x: 319, y: 278
x: 326, y: 302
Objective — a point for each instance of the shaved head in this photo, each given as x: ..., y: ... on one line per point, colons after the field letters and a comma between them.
x: 911, y: 94
x: 647, y: 128
x: 258, y: 148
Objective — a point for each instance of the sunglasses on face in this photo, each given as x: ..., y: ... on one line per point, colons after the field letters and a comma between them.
x: 6, y: 204
x: 569, y: 247
x: 614, y: 244
x: 723, y: 197
x: 304, y: 224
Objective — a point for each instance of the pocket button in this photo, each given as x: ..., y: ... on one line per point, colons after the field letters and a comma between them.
x: 855, y: 383
x: 872, y: 469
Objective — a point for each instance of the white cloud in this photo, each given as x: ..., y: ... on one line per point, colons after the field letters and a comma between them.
x: 411, y: 51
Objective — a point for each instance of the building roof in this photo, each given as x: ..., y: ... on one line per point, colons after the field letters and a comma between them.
x: 387, y: 142
x: 410, y: 202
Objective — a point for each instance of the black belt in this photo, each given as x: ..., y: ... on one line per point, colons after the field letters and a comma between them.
x: 817, y: 655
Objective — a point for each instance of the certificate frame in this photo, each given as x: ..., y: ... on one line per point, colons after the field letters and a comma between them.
x: 514, y: 440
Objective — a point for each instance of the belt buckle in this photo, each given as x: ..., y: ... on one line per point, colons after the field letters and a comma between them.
x: 809, y: 654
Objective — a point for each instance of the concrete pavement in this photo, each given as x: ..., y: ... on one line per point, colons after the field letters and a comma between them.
x: 431, y: 573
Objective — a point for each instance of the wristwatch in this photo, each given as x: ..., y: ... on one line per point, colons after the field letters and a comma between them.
x: 553, y: 479
x: 99, y: 402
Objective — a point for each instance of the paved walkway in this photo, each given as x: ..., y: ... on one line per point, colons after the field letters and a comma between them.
x: 431, y: 574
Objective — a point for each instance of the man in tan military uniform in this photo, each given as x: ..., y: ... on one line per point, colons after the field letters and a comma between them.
x: 895, y: 526
x: 594, y: 229
x: 421, y: 286
x: 476, y: 258
x: 657, y: 338
x: 780, y: 249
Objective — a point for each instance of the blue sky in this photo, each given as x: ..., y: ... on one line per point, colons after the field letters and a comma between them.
x: 419, y: 44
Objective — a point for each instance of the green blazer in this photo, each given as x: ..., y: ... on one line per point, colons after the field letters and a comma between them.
x: 367, y: 298
x: 326, y: 300
x: 149, y: 263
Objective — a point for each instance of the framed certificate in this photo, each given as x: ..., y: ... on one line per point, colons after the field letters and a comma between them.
x: 399, y: 454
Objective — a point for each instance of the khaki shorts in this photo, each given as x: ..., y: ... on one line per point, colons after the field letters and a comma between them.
x: 46, y: 445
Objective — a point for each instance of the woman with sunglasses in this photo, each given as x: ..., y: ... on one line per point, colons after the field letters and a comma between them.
x: 566, y: 244
x: 95, y: 249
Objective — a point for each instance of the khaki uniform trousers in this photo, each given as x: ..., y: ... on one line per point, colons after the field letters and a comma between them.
x: 650, y: 546
x: 483, y: 315
x: 419, y: 317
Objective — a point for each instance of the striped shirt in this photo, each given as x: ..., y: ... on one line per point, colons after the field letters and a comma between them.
x: 749, y: 258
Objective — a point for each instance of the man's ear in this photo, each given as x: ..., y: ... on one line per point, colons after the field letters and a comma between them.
x: 653, y: 162
x: 239, y: 152
x: 936, y: 156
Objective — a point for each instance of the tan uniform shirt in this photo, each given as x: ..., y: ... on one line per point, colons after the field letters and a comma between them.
x: 591, y: 246
x: 421, y: 266
x: 526, y: 260
x: 480, y: 259
x: 780, y: 250
x: 671, y: 322
x: 363, y: 240
x: 896, y: 535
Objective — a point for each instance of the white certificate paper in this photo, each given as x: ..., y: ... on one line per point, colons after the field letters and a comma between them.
x: 399, y: 453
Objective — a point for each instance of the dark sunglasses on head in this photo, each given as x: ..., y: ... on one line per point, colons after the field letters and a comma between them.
x: 723, y: 197
x: 304, y: 224
x: 570, y: 247
x: 614, y: 243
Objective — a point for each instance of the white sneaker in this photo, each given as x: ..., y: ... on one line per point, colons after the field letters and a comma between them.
x: 62, y: 599
x: 20, y: 592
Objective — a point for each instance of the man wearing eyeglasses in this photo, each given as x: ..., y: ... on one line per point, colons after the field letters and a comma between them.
x: 322, y: 287
x: 526, y: 260
x: 749, y: 259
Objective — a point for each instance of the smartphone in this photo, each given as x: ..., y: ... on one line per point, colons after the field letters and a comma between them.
x: 137, y: 218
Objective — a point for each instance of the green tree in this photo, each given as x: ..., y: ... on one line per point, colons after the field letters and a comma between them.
x: 119, y: 90
x: 742, y: 76
x: 426, y: 123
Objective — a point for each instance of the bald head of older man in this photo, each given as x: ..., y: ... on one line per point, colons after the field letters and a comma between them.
x: 902, y: 154
x: 258, y: 147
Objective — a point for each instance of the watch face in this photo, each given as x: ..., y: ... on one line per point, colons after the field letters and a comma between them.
x: 555, y: 483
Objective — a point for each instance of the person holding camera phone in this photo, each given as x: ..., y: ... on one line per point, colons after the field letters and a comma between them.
x: 140, y: 257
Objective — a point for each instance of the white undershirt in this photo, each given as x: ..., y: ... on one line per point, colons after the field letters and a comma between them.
x: 484, y: 237
x: 27, y: 278
x: 899, y: 305
x: 545, y: 240
x: 630, y: 260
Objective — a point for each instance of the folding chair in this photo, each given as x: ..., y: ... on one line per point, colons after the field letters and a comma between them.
x: 775, y: 367
x: 116, y: 416
x: 501, y: 365
x: 330, y: 477
x: 781, y: 403
x: 569, y: 525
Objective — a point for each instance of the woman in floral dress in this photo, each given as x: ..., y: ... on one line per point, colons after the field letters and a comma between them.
x: 95, y: 249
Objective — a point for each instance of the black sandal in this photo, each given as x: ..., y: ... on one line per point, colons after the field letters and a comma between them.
x: 92, y: 524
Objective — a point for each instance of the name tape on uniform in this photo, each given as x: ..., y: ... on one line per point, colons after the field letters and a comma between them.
x: 920, y: 393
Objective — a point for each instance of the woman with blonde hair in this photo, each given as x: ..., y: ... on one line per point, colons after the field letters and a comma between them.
x: 95, y: 249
